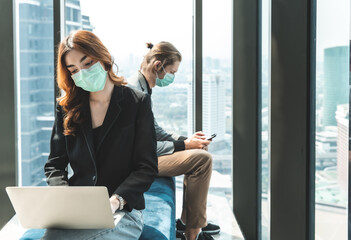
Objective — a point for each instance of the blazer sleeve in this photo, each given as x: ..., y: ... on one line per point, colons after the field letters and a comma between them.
x: 55, y: 167
x: 144, y: 157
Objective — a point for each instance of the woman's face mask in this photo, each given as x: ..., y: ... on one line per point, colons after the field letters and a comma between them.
x: 92, y: 79
x: 166, y: 80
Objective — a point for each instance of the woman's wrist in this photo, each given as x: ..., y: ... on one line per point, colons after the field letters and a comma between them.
x: 121, y: 201
x: 115, y: 203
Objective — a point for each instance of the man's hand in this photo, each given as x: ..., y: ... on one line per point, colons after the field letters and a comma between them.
x: 196, y: 141
x: 114, y: 203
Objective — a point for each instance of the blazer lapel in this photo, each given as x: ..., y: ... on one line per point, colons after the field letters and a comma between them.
x: 87, y: 130
x: 112, y: 114
x: 143, y: 83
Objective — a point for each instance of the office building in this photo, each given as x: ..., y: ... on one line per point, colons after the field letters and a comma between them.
x: 336, y: 74
x: 36, y: 81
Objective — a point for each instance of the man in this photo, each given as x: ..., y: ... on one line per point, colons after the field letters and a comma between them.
x: 179, y: 155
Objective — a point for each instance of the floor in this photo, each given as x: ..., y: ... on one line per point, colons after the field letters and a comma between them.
x: 12, y: 230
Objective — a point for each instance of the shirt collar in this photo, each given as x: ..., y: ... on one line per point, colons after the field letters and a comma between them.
x: 149, y: 90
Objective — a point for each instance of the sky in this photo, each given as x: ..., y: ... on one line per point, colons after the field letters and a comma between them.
x: 125, y: 26
x: 333, y: 24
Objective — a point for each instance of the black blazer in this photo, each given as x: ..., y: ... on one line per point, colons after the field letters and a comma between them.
x: 124, y: 160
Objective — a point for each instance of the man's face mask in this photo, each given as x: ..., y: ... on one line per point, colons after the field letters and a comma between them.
x: 166, y: 80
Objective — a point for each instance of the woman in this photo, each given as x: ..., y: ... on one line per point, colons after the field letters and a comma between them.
x: 105, y: 131
x: 179, y: 155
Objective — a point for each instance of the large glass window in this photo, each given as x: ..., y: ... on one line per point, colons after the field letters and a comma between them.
x: 332, y: 113
x: 35, y: 88
x: 217, y: 82
x: 125, y: 27
x: 265, y: 117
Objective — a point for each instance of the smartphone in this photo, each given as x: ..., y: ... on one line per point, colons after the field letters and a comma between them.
x: 212, y: 137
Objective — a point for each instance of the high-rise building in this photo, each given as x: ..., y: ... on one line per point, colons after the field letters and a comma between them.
x: 74, y: 18
x: 214, y: 119
x: 213, y: 105
x: 36, y: 88
x: 36, y: 85
x: 342, y: 118
x: 86, y: 23
x: 336, y: 74
x: 326, y: 148
x: 213, y: 100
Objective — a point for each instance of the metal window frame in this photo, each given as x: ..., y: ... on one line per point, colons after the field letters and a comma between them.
x: 197, y: 55
x: 246, y: 116
x: 59, y: 33
x: 8, y: 146
x: 349, y: 188
x: 292, y: 119
x: 349, y: 157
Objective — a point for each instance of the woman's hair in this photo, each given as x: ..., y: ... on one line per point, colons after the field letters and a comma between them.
x: 164, y: 52
x: 72, y: 99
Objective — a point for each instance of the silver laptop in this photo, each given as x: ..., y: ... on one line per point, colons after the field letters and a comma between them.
x: 63, y: 207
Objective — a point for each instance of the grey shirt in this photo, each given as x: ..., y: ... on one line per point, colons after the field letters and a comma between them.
x: 166, y: 143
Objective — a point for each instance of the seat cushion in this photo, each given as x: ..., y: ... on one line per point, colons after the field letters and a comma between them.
x: 33, y: 234
x: 159, y: 212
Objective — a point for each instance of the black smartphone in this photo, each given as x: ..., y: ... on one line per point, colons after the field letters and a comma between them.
x: 212, y: 137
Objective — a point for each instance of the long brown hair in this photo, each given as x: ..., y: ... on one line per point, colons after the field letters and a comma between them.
x: 165, y: 52
x: 73, y: 97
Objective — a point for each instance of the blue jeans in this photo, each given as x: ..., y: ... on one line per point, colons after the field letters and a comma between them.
x: 128, y: 228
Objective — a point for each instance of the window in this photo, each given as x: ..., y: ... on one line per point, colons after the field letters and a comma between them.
x: 265, y: 118
x: 127, y: 44
x: 217, y: 83
x: 35, y: 88
x: 332, y: 114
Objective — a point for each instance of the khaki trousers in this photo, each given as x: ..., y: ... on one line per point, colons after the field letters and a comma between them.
x: 196, y: 165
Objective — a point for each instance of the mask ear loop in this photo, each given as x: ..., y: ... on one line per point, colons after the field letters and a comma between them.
x: 163, y: 63
x: 162, y: 68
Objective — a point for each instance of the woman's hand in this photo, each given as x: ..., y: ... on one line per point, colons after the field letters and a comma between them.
x: 196, y: 141
x: 114, y: 203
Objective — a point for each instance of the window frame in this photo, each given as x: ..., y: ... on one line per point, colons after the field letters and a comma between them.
x: 8, y: 102
x: 286, y: 85
x: 246, y: 115
x: 293, y: 119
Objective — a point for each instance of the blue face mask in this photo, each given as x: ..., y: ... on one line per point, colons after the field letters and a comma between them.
x: 166, y: 80
x: 92, y: 79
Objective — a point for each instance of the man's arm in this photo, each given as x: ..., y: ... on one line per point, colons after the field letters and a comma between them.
x: 162, y: 135
x: 168, y: 143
